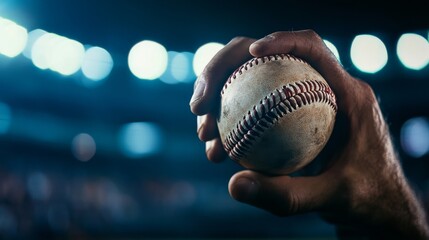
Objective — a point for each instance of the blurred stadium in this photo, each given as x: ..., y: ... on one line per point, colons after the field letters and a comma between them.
x: 96, y: 136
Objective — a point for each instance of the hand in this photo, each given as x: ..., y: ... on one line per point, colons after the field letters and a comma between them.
x: 363, y: 189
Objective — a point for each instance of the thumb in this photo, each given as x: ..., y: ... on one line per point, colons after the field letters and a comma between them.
x: 283, y: 195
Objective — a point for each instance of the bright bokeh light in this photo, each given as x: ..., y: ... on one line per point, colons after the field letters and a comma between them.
x: 147, y: 60
x: 5, y: 118
x: 67, y: 56
x: 179, y: 68
x: 83, y: 147
x: 97, y: 63
x: 368, y: 53
x: 13, y: 38
x: 415, y: 136
x: 57, y: 53
x: 204, y: 54
x: 167, y: 76
x: 140, y: 139
x: 40, y: 50
x: 413, y: 51
x: 333, y: 49
x: 32, y: 38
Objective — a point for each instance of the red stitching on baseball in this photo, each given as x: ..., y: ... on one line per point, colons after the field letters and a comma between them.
x: 256, y: 61
x: 271, y: 108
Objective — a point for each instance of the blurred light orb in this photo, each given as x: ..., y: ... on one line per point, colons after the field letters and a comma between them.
x: 413, y: 51
x: 204, y: 54
x: 57, y: 53
x: 66, y: 56
x: 5, y: 118
x: 333, y: 49
x: 140, y: 139
x: 368, y: 53
x: 147, y: 60
x: 167, y: 76
x: 41, y: 50
x: 32, y: 38
x: 83, y: 147
x: 415, y: 136
x: 97, y: 63
x: 13, y: 38
x: 179, y: 68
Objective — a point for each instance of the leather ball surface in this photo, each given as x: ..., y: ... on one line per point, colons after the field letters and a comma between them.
x: 276, y: 114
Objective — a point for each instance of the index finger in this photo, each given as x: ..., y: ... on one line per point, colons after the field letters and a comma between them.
x: 308, y: 45
x: 211, y: 80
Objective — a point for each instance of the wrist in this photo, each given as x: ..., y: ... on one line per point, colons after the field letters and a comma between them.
x: 392, y: 209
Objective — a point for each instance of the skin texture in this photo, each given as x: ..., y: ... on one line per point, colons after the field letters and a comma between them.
x: 361, y: 188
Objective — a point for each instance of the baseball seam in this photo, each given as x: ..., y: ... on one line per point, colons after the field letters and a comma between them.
x: 256, y: 61
x: 271, y: 108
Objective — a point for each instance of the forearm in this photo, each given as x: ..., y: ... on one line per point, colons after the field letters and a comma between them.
x: 395, y: 208
x: 407, y: 213
x: 392, y: 211
x: 408, y: 216
x: 412, y: 226
x: 383, y: 206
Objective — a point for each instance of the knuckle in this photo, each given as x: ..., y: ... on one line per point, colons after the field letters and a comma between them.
x: 367, y: 88
x: 368, y: 94
x: 313, y: 35
x: 275, y: 35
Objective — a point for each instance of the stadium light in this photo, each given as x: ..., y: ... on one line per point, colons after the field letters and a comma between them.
x: 13, y: 38
x: 147, y: 60
x: 368, y: 53
x: 413, y: 51
x: 204, y: 54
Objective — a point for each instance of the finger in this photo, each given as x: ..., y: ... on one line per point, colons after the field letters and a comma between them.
x: 207, y: 127
x: 211, y: 80
x: 215, y: 151
x: 282, y: 195
x: 309, y: 46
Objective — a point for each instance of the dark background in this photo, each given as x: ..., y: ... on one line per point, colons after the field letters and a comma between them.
x: 46, y: 192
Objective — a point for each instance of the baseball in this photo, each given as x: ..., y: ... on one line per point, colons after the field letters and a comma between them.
x: 276, y: 114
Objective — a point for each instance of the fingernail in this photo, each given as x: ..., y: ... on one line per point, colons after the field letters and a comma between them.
x: 209, y: 145
x: 199, y: 123
x: 198, y: 91
x: 245, y: 189
x: 199, y: 120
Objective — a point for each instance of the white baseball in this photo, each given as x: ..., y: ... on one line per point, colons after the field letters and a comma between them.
x: 277, y: 114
